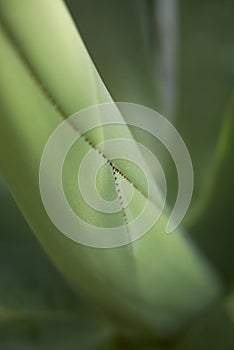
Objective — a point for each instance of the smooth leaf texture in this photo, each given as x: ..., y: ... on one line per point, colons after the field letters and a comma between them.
x: 156, y: 284
x: 37, y: 308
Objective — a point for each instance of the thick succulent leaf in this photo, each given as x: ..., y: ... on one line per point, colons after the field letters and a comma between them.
x: 155, y: 284
x: 37, y: 308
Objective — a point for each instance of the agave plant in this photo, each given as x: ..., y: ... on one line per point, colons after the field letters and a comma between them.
x: 160, y: 291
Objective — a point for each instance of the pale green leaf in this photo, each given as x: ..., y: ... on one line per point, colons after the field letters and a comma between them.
x: 152, y: 286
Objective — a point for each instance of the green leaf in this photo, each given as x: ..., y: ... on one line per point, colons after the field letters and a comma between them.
x: 154, y: 285
x: 37, y: 308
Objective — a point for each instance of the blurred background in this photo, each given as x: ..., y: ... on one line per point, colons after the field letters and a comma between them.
x: 176, y: 56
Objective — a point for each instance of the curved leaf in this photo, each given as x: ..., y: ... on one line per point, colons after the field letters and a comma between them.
x: 153, y: 285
